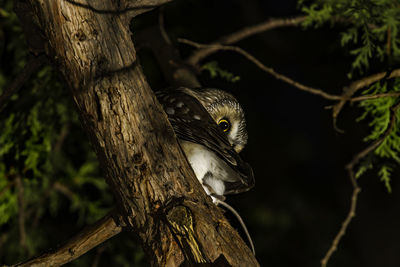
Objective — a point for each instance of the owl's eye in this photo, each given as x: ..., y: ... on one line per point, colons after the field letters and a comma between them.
x: 224, y: 124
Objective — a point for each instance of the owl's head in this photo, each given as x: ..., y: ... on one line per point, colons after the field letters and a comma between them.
x: 226, y: 112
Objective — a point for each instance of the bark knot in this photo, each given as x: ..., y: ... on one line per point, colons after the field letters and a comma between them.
x: 80, y: 35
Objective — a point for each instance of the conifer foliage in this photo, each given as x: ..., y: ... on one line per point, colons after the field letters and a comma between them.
x: 371, y: 36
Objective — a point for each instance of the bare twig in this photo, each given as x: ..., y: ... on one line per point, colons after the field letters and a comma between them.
x: 375, y: 144
x: 99, y: 251
x: 63, y: 190
x: 345, y: 224
x: 87, y: 239
x: 356, y: 189
x: 164, y: 33
x: 61, y: 138
x: 269, y: 70
x: 33, y: 64
x: 21, y: 211
x: 270, y: 24
x: 350, y: 90
x: 389, y: 41
x: 368, y: 97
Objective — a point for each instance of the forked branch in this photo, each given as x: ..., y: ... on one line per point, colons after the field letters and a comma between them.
x: 356, y: 188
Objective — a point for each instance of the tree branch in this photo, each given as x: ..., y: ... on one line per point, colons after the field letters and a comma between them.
x: 356, y: 189
x: 350, y: 90
x: 129, y: 8
x: 84, y: 241
x: 269, y: 70
x: 345, y: 224
x: 21, y: 211
x: 156, y: 191
x: 96, y: 260
x: 368, y: 97
x: 270, y: 24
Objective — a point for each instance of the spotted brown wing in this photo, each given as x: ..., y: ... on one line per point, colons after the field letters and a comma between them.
x: 192, y: 122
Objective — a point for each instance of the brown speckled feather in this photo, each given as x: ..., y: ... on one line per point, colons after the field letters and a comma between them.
x: 192, y: 122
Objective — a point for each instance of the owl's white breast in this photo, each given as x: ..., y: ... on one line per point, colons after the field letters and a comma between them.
x: 204, y: 161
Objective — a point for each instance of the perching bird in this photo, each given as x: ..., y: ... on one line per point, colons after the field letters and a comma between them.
x: 210, y: 126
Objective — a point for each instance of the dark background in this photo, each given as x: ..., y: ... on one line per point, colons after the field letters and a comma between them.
x: 302, y: 191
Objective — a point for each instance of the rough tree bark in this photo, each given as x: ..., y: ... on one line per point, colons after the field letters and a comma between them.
x: 157, y: 195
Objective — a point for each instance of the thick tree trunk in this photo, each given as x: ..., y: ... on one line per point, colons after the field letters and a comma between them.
x: 157, y: 194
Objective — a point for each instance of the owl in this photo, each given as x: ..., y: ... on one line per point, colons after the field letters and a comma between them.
x: 211, y: 130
